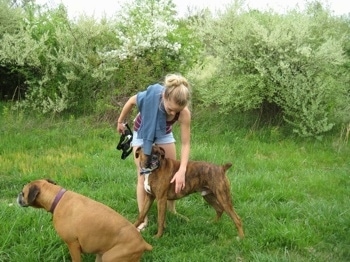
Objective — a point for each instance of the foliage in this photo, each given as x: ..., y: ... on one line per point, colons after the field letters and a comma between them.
x: 47, y: 52
x: 294, y: 60
x: 151, y: 43
x: 82, y: 65
x: 294, y: 64
x: 10, y: 18
x: 10, y: 23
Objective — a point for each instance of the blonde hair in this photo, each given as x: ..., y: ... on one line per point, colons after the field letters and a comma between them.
x: 177, y: 89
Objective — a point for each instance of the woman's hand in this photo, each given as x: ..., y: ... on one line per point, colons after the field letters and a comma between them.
x: 120, y: 127
x: 179, y: 179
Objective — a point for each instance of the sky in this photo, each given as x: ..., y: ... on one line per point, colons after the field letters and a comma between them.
x: 110, y: 7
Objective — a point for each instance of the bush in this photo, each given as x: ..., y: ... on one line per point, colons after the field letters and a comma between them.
x: 151, y: 42
x: 293, y: 61
x: 82, y: 65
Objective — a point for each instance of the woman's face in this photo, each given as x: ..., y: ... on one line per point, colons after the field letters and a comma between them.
x: 171, y: 108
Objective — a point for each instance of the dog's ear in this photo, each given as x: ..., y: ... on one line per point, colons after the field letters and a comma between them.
x: 162, y: 152
x: 137, y: 152
x: 32, y: 194
x: 51, y: 181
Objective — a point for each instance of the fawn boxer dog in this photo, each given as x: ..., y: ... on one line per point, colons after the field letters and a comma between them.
x: 207, y: 178
x: 85, y: 225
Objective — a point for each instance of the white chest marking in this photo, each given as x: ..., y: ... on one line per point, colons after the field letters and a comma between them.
x: 146, y: 185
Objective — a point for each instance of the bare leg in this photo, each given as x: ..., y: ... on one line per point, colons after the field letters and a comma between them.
x: 140, y: 191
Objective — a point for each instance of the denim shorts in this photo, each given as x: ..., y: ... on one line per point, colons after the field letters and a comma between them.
x: 166, y: 139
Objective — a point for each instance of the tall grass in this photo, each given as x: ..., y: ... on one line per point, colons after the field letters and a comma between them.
x: 292, y: 194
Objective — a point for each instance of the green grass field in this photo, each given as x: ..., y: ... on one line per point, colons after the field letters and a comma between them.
x: 292, y: 194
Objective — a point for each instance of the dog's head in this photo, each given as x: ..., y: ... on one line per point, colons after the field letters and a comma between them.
x: 157, y: 155
x: 30, y: 192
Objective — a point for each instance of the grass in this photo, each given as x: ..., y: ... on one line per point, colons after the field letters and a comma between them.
x: 293, y: 195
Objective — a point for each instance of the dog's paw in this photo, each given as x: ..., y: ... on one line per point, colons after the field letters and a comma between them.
x: 142, y: 226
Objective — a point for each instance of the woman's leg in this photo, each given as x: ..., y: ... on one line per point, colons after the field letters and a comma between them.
x: 140, y: 191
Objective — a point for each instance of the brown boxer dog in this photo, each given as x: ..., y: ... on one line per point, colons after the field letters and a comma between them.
x: 208, y: 179
x: 85, y: 225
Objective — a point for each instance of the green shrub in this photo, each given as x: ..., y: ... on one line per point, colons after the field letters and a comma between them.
x: 10, y: 17
x: 294, y: 61
x: 81, y: 66
x: 150, y: 43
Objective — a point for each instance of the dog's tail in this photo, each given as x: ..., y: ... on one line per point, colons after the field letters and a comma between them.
x: 226, y: 166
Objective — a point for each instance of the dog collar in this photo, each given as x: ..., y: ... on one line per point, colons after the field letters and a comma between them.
x: 57, y: 199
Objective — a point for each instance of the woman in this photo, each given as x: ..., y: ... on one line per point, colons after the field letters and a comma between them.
x: 160, y: 106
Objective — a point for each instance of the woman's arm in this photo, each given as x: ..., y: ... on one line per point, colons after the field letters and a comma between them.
x: 125, y: 112
x: 185, y: 130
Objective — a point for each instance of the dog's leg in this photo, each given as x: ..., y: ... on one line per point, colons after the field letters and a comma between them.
x: 75, y: 251
x: 171, y: 208
x: 236, y: 219
x: 211, y: 199
x: 161, y: 206
x: 146, y: 207
x: 98, y: 258
x: 224, y: 199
